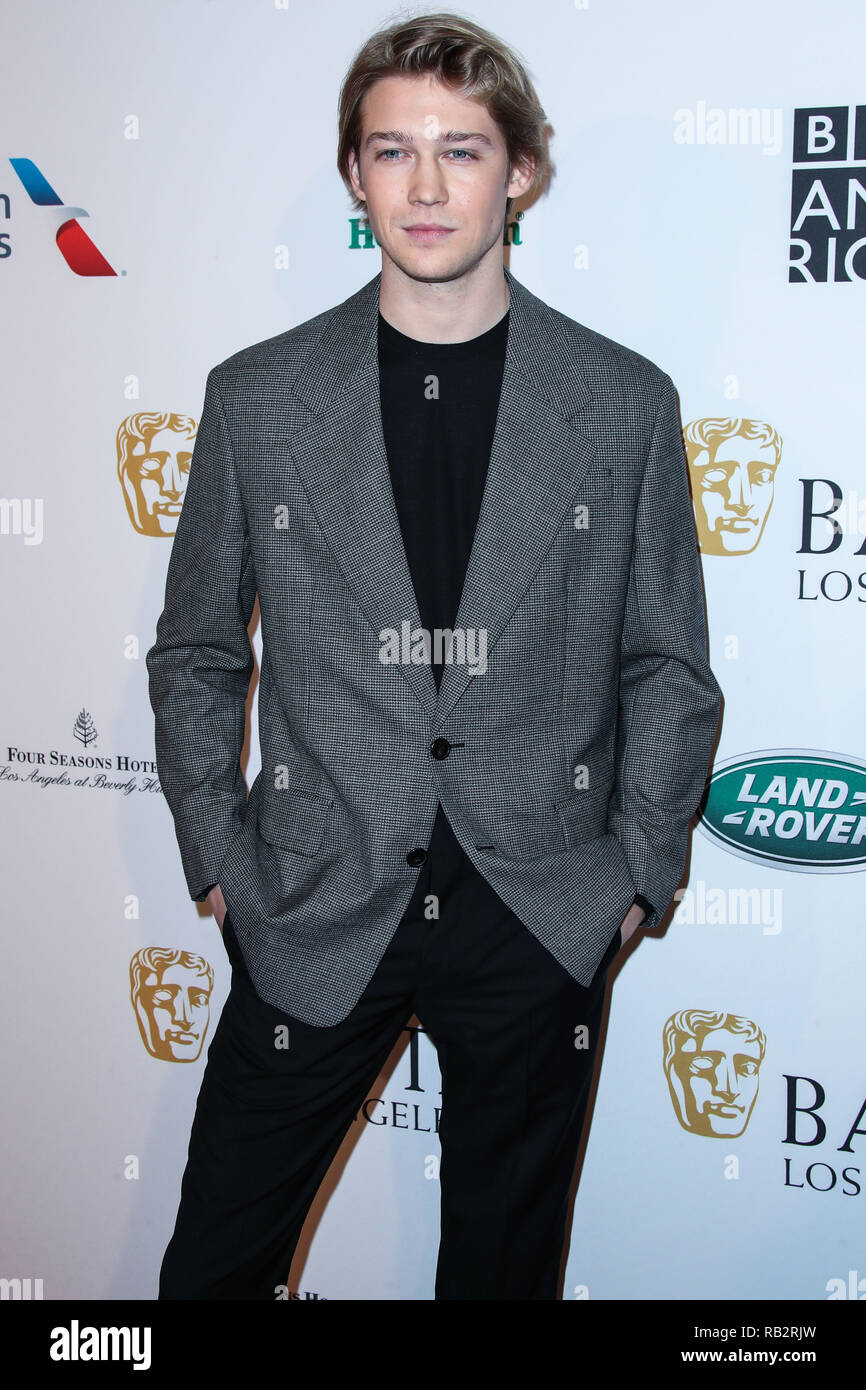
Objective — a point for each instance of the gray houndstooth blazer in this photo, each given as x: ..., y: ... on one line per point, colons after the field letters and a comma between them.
x: 569, y: 764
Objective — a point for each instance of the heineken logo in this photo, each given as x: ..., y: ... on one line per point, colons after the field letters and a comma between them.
x: 802, y: 810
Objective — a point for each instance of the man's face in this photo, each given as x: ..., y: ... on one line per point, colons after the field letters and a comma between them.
x: 431, y: 157
x: 733, y: 493
x: 719, y: 1079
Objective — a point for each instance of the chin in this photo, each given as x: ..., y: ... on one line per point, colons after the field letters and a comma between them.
x: 427, y: 273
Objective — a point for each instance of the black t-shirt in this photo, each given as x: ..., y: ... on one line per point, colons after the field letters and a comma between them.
x: 439, y: 404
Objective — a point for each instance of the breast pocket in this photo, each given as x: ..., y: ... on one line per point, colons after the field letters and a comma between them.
x: 295, y: 819
x: 611, y: 484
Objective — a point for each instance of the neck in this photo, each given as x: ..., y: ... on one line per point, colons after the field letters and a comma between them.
x: 444, y: 311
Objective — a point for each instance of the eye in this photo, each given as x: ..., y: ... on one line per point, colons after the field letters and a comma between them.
x: 700, y: 1064
x: 470, y: 154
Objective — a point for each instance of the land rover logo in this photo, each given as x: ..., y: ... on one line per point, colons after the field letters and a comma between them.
x: 801, y: 809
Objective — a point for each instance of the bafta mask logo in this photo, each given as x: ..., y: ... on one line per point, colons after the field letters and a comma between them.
x: 171, y: 996
x: 733, y: 465
x: 712, y: 1061
x: 154, y: 452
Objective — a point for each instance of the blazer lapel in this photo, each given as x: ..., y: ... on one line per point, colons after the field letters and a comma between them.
x: 537, y: 462
x: 343, y: 463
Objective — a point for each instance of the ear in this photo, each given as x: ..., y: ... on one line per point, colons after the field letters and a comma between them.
x: 521, y: 176
x: 355, y: 176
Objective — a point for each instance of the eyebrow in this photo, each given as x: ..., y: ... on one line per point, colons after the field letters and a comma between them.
x: 451, y: 137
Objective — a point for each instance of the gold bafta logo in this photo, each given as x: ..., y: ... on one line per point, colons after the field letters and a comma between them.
x: 171, y: 992
x: 732, y: 464
x: 712, y: 1063
x: 154, y: 453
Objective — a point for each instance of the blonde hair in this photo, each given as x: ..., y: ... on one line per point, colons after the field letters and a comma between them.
x: 465, y: 57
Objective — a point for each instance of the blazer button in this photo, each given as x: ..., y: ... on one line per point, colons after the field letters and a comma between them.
x: 440, y: 748
x: 416, y: 857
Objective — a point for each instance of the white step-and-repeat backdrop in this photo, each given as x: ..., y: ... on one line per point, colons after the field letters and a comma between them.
x: 168, y: 194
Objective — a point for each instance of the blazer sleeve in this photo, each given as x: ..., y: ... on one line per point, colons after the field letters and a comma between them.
x: 647, y: 907
x: 669, y: 699
x: 202, y: 660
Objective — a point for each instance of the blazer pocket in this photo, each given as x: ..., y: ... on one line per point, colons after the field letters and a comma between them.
x: 295, y: 819
x: 599, y: 478
x: 583, y: 815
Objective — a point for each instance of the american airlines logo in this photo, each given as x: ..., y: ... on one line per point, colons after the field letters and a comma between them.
x: 73, y: 243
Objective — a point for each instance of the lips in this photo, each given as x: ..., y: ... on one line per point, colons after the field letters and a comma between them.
x: 428, y: 233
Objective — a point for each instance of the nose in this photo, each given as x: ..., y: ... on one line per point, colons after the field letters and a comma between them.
x: 427, y: 182
x: 725, y: 1080
x: 182, y: 1012
x: 171, y: 479
x: 740, y: 488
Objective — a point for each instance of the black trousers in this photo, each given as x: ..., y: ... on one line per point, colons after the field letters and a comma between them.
x: 502, y: 1014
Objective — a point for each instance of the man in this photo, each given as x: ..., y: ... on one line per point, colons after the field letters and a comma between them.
x: 468, y: 840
